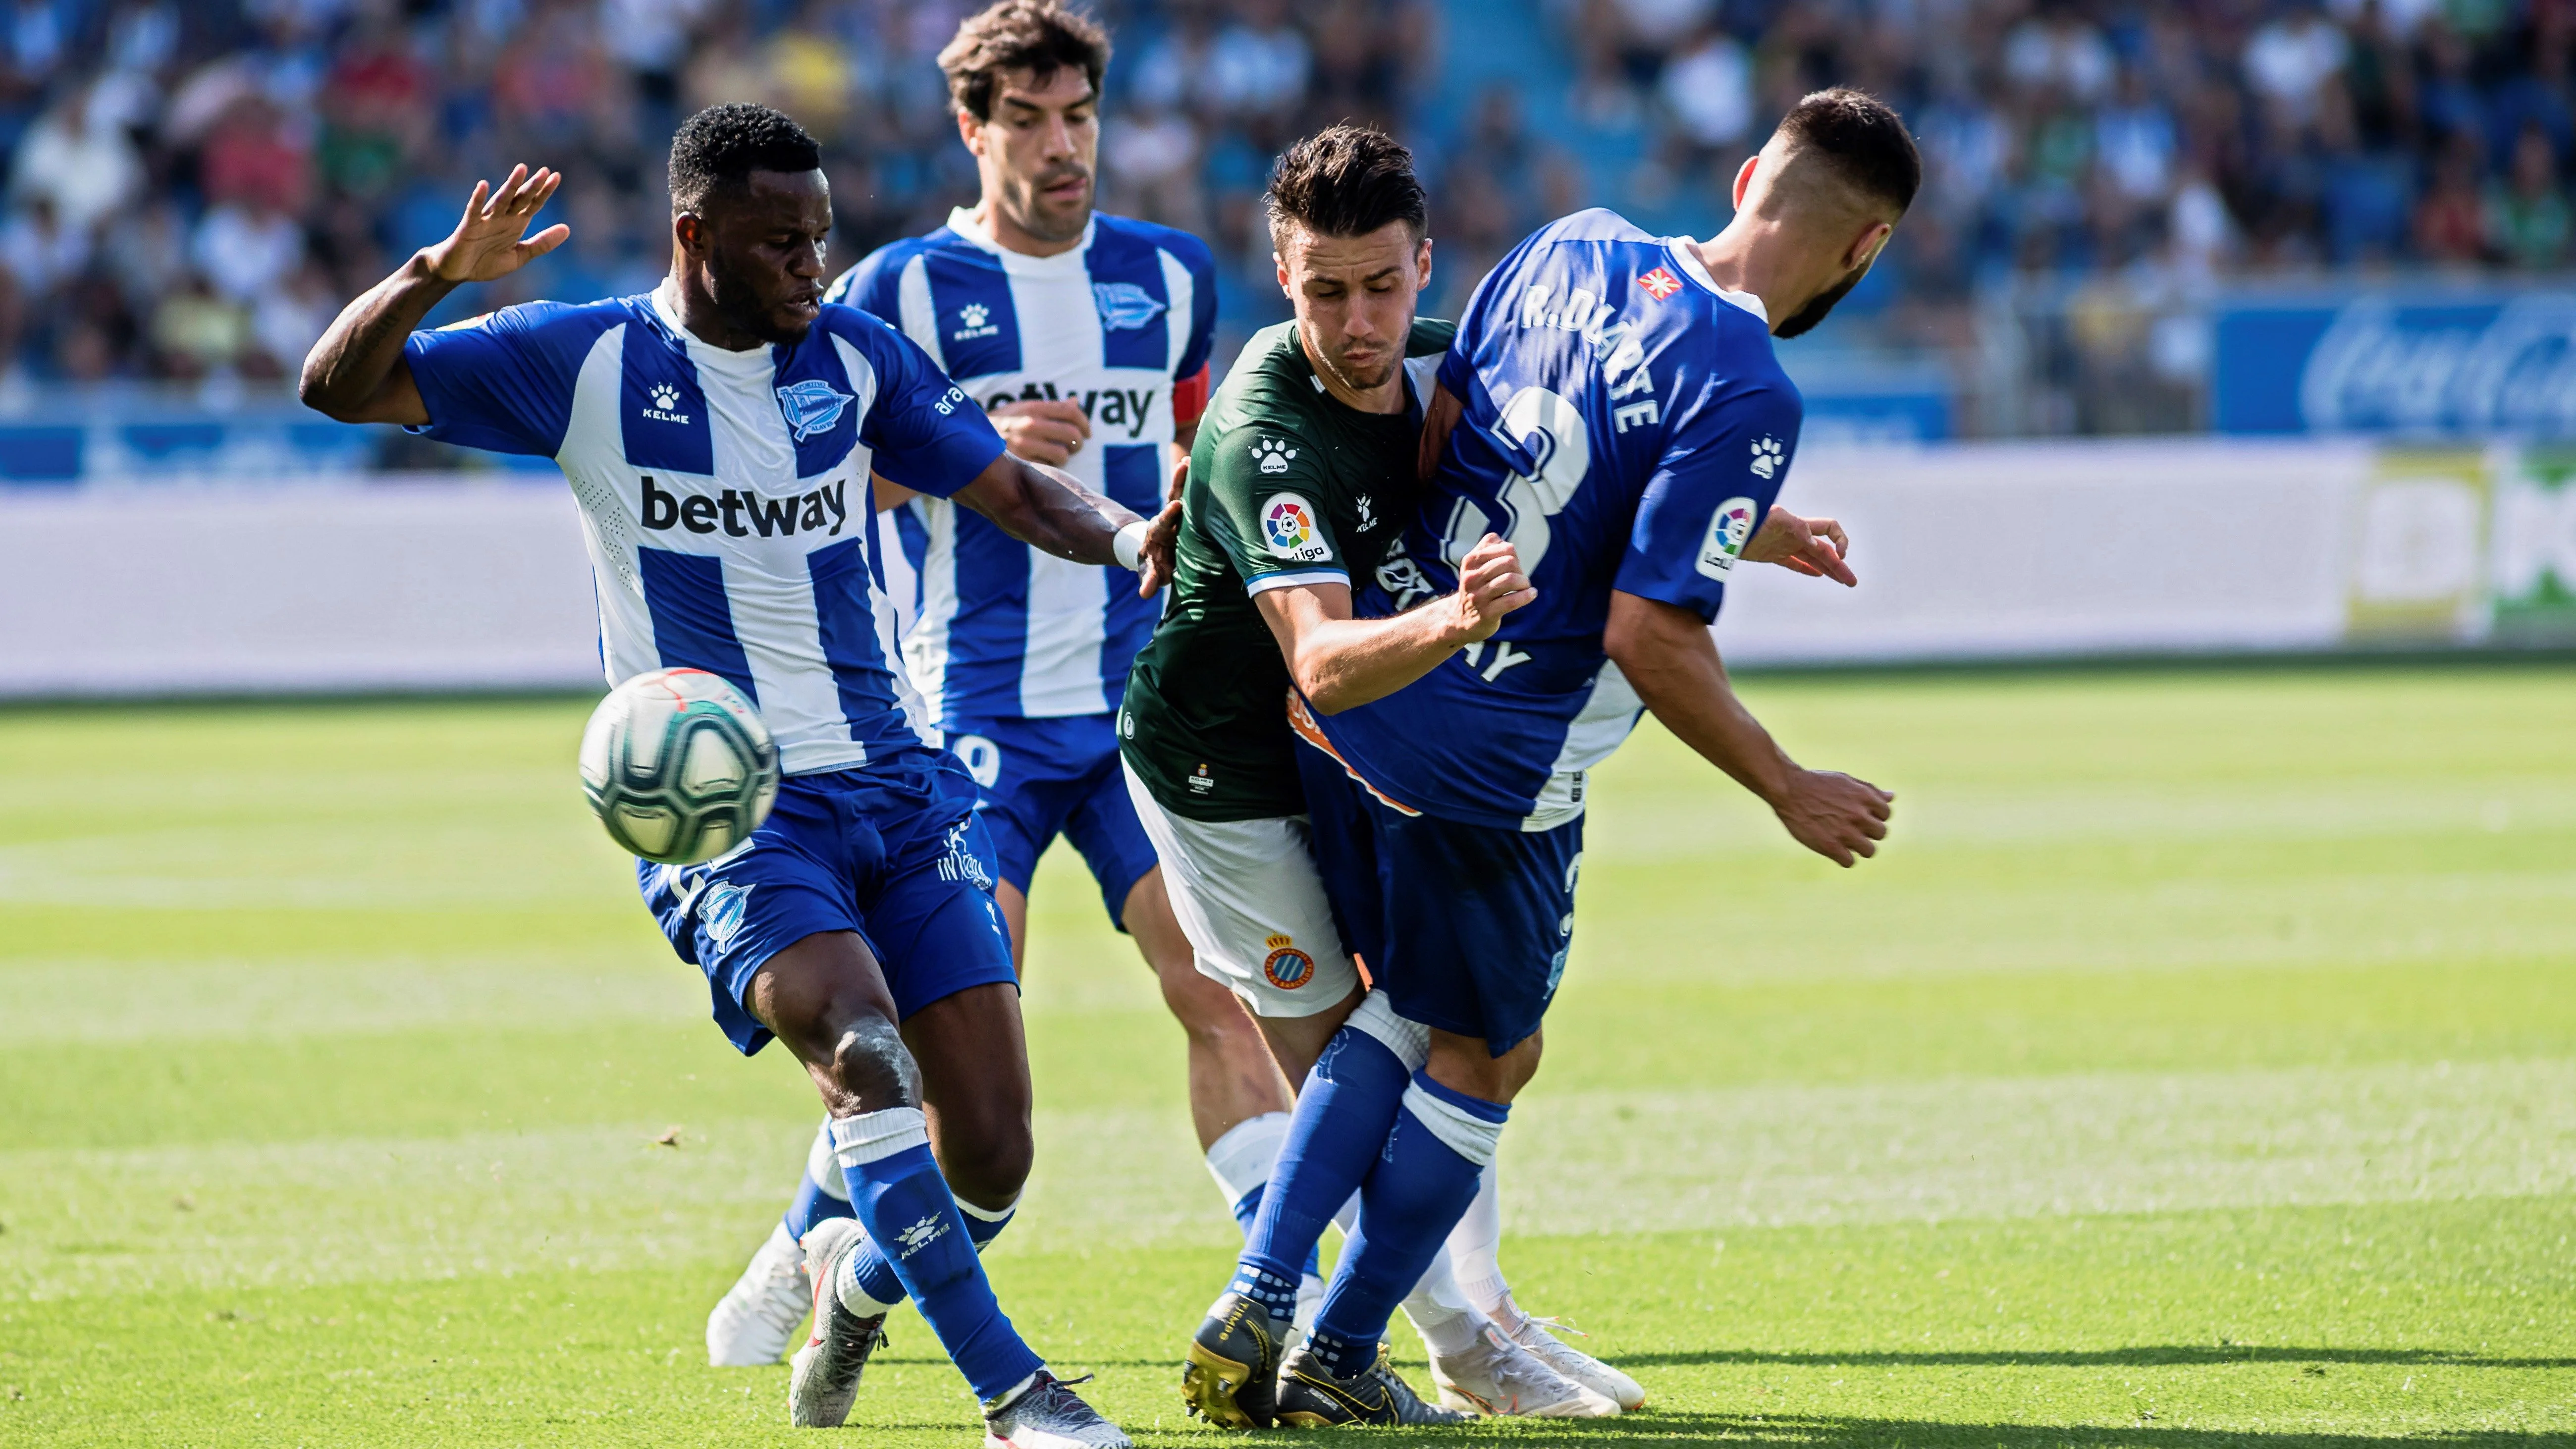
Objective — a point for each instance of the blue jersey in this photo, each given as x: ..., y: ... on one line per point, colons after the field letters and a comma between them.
x: 725, y: 494
x: 1121, y: 324
x: 1626, y: 427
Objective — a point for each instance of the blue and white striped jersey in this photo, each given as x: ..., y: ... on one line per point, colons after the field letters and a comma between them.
x: 1121, y: 324
x: 725, y: 494
x: 1627, y: 427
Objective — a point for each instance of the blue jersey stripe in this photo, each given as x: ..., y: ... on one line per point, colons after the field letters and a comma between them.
x: 1127, y: 286
x: 986, y: 645
x: 692, y: 620
x: 970, y: 302
x: 660, y: 406
x: 846, y: 620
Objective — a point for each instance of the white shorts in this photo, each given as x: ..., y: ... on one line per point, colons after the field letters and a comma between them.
x: 1247, y: 895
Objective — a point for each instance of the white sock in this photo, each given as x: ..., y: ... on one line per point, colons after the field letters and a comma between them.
x: 1241, y: 1160
x: 1475, y: 1247
x: 1441, y: 1313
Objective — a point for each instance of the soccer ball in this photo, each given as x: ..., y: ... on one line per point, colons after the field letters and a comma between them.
x: 678, y: 766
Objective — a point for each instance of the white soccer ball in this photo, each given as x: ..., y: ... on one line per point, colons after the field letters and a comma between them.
x: 678, y: 766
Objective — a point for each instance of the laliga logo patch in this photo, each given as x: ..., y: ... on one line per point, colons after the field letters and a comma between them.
x: 721, y: 912
x: 1124, y: 306
x: 1288, y: 968
x: 1766, y: 458
x: 1660, y: 283
x: 1728, y: 529
x: 1288, y: 527
x: 812, y: 406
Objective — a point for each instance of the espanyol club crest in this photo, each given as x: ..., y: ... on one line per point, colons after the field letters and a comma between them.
x: 1124, y: 306
x: 811, y: 406
x: 1287, y: 967
x: 1729, y: 528
x: 1288, y: 529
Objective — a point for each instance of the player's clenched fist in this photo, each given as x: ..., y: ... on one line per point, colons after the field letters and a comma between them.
x: 1490, y: 585
x: 1043, y: 430
x: 487, y: 240
x: 1834, y: 815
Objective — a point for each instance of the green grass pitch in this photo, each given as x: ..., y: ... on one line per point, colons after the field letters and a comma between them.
x: 2196, y: 1067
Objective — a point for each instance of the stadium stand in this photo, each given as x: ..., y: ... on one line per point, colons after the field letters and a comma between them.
x: 192, y: 188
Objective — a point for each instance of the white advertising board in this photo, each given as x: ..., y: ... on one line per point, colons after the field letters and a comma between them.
x: 1969, y: 551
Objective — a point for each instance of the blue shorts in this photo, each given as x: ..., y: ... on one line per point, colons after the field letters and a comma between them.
x: 1041, y: 778
x: 1465, y: 927
x: 892, y: 851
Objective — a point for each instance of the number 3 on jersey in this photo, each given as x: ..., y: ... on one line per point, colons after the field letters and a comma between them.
x: 1550, y: 431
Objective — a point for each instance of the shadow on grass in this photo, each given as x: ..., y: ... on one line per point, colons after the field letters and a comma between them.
x: 2137, y: 1356
x: 1633, y: 1431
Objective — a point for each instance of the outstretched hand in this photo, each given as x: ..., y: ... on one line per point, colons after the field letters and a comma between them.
x: 1162, y: 537
x: 1812, y: 546
x: 1833, y: 814
x: 487, y: 242
x: 1490, y: 585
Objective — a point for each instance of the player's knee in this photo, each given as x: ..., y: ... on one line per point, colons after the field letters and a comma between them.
x: 989, y: 1165
x: 870, y: 1063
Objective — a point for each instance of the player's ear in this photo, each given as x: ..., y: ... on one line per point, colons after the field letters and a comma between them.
x: 1422, y: 265
x: 970, y: 132
x: 1281, y: 263
x: 1866, y: 247
x: 690, y: 231
x: 1744, y: 178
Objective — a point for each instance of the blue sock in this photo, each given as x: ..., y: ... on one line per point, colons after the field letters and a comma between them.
x: 1343, y: 1115
x: 1422, y: 1184
x: 813, y: 1205
x: 1248, y: 1208
x: 904, y: 1205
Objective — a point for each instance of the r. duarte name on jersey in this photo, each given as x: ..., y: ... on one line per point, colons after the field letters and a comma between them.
x: 740, y: 514
x: 1110, y: 407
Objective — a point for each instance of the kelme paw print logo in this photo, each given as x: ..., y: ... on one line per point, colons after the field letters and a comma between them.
x: 1272, y: 455
x: 974, y: 314
x: 1766, y: 458
x: 665, y: 396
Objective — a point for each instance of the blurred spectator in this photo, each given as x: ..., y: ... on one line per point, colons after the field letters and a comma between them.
x: 1259, y: 64
x: 2290, y: 60
x: 1708, y: 87
x: 2526, y: 221
x: 245, y: 247
x: 82, y: 168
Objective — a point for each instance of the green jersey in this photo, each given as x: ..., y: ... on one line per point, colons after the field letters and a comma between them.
x: 1288, y: 485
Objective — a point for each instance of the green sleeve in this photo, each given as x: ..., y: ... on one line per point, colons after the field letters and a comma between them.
x: 1266, y: 507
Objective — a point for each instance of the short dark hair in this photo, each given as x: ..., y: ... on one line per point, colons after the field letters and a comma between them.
x: 1038, y: 36
x: 719, y: 147
x: 1861, y: 139
x: 1346, y: 181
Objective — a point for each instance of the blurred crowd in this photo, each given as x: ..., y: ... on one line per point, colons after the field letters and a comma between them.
x: 192, y: 189
x: 2077, y: 138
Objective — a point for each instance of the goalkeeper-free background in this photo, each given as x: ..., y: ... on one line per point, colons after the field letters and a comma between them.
x: 2197, y: 1067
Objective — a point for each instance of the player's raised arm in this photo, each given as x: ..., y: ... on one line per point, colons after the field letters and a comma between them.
x: 356, y: 373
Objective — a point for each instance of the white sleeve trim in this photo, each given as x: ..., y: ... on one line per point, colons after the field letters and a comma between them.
x: 1267, y: 582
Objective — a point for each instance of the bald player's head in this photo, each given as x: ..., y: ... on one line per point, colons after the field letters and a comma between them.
x: 1836, y: 176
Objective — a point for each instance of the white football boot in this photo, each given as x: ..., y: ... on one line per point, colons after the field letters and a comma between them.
x: 1575, y: 1364
x: 1496, y: 1376
x: 1045, y: 1413
x: 823, y: 1377
x: 753, y: 1323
